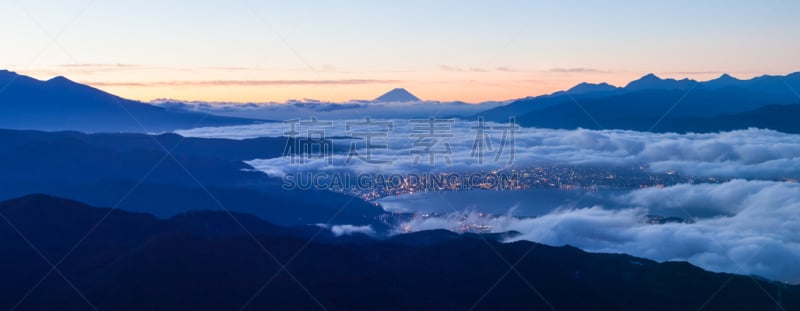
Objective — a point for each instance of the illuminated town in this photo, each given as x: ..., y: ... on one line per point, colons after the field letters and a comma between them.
x: 583, y: 178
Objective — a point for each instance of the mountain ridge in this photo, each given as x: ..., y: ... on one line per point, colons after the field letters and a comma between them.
x: 62, y: 104
x: 214, y: 260
x: 642, y: 102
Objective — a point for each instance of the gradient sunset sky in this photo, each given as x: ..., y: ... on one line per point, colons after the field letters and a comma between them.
x: 243, y: 50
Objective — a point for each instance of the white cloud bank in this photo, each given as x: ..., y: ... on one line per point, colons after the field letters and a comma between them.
x: 760, y: 235
x: 340, y: 230
x: 752, y: 153
x: 756, y: 229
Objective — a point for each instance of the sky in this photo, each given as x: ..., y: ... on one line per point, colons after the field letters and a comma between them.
x: 258, y: 51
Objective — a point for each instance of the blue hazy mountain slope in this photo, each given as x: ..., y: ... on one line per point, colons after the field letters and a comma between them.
x: 126, y: 171
x: 225, y: 149
x: 207, y: 261
x: 642, y: 110
x: 530, y: 104
x: 782, y: 118
x: 61, y: 104
x: 640, y: 104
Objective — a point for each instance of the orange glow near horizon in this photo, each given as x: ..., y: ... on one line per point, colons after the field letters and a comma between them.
x: 466, y: 91
x: 473, y: 92
x: 250, y: 85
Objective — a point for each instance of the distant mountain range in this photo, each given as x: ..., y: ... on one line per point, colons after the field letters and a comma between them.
x: 211, y: 260
x: 397, y: 95
x: 655, y: 104
x: 61, y: 104
x: 647, y: 104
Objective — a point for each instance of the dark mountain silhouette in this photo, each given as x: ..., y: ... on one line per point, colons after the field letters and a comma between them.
x: 131, y: 172
x: 61, y: 104
x: 206, y: 261
x: 397, y: 95
x: 655, y: 104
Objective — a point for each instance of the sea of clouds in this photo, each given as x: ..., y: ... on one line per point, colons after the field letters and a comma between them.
x: 760, y: 235
x: 751, y: 153
x: 755, y: 230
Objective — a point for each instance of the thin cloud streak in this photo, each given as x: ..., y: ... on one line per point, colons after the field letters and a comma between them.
x: 460, y: 69
x: 506, y: 69
x: 88, y: 65
x: 576, y: 70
